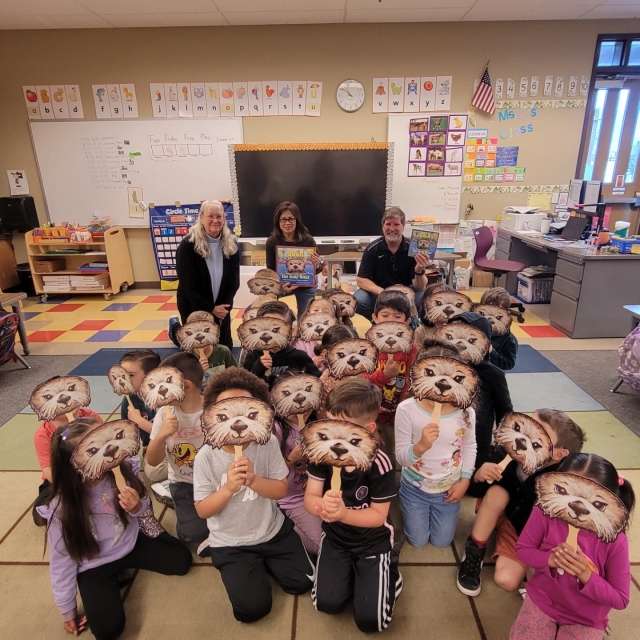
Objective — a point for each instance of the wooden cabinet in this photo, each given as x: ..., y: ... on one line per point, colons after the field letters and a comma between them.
x: 113, y: 248
x: 8, y: 273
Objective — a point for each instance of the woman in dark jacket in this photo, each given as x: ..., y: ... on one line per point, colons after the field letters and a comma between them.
x: 208, y: 265
x: 289, y: 231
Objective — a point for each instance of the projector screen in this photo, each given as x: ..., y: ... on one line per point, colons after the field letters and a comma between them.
x: 339, y: 192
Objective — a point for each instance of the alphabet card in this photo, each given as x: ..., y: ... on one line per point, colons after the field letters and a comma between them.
x: 270, y: 97
x: 44, y: 102
x: 411, y: 95
x: 380, y: 95
x: 212, y: 94
x: 241, y: 99
x: 115, y: 100
x: 226, y: 99
x: 100, y: 100
x: 185, y: 109
x: 396, y: 95
x: 171, y: 99
x: 198, y: 100
x: 74, y: 102
x: 255, y: 98
x: 314, y: 98
x: 443, y: 93
x: 299, y: 96
x: 59, y: 101
x: 285, y: 99
x: 157, y: 100
x: 129, y: 100
x: 31, y: 101
x: 428, y: 93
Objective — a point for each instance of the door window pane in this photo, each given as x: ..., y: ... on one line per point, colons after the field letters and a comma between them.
x: 610, y: 53
x: 616, y: 134
x: 600, y: 102
x: 634, y: 53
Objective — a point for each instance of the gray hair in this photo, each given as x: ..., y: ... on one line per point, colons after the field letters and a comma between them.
x: 393, y: 212
x: 198, y: 236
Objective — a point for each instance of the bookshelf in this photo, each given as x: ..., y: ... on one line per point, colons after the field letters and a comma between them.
x: 113, y: 248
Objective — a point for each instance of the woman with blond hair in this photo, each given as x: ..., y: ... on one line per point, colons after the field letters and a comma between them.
x: 208, y: 265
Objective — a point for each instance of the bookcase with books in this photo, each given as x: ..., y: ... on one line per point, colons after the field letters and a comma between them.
x: 101, y: 265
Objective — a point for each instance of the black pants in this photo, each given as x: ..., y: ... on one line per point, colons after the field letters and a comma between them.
x: 99, y: 587
x: 245, y: 572
x: 44, y: 491
x: 190, y: 527
x: 373, y: 581
x: 225, y: 330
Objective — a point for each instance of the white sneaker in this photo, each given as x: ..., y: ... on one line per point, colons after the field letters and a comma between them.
x: 204, y: 550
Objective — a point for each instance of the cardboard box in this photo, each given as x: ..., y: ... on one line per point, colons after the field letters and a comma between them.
x: 522, y: 221
x: 481, y: 278
x: 464, y: 262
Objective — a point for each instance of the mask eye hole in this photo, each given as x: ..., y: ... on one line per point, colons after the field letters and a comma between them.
x: 221, y: 417
x: 600, y: 506
x: 560, y: 490
x: 92, y: 451
x: 253, y: 415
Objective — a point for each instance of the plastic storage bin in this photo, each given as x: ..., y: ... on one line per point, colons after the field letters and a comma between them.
x: 624, y: 244
x: 535, y: 290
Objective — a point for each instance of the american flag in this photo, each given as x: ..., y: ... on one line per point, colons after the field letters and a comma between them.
x: 483, y: 96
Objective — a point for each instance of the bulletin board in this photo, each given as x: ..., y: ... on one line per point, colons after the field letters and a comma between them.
x: 109, y: 167
x: 427, y: 193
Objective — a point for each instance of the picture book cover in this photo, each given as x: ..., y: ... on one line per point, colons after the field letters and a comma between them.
x: 423, y: 242
x: 295, y: 266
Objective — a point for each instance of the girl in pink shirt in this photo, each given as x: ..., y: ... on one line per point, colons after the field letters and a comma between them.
x: 572, y: 591
x: 317, y: 305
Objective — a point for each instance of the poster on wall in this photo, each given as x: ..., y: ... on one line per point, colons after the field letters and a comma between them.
x: 485, y: 161
x: 436, y: 145
x: 55, y: 102
x: 412, y: 94
x: 169, y: 225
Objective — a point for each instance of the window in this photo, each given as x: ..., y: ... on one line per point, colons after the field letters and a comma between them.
x: 611, y: 136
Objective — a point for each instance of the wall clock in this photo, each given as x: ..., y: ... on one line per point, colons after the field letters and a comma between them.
x: 350, y: 95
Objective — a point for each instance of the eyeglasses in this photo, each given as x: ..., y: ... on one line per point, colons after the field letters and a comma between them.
x: 394, y: 266
x: 287, y: 220
x: 213, y: 218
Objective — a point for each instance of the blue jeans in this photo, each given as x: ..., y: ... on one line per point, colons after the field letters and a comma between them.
x: 366, y: 303
x: 303, y: 296
x: 427, y: 517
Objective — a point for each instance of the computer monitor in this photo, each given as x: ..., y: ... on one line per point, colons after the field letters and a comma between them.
x: 576, y: 225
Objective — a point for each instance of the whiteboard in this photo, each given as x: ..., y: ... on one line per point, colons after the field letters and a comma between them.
x: 438, y: 197
x: 104, y: 167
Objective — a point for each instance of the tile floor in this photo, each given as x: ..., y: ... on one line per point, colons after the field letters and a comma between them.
x: 430, y: 600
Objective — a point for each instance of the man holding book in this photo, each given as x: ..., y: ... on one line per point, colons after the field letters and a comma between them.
x: 386, y: 262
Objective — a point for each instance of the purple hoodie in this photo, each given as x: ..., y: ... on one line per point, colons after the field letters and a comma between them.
x: 114, y: 540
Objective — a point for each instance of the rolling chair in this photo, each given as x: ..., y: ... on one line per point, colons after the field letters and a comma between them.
x: 484, y: 242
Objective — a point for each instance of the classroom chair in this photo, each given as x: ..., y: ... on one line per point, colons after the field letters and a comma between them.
x: 629, y: 369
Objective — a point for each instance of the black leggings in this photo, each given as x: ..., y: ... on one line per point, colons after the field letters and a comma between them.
x: 99, y: 589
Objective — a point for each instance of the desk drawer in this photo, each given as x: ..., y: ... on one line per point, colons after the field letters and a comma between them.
x: 570, y: 269
x: 563, y: 311
x: 504, y: 245
x: 566, y: 287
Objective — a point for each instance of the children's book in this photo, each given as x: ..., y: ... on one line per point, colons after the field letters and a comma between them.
x: 295, y: 266
x: 423, y: 242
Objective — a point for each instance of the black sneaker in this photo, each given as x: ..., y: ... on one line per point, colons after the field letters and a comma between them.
x: 468, y: 580
x: 399, y: 540
x: 174, y: 325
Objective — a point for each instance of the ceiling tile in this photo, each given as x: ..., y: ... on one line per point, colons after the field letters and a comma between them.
x: 138, y: 20
x: 117, y: 7
x: 50, y: 7
x: 496, y: 13
x: 23, y: 22
x: 183, y: 6
x: 383, y: 15
x: 557, y: 13
x: 89, y: 21
x: 538, y: 3
x: 308, y: 5
x: 613, y: 11
x: 407, y: 15
x: 8, y: 9
x: 385, y: 5
x: 212, y: 19
x: 257, y: 6
x: 619, y: 2
x: 283, y: 17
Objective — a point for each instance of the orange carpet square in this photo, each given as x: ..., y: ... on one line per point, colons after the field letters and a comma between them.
x: 543, y: 331
x: 92, y: 325
x: 168, y: 306
x: 44, y: 336
x: 163, y: 336
x: 66, y: 308
x: 157, y: 299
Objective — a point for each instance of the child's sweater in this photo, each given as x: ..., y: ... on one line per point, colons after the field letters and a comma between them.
x: 145, y: 412
x: 284, y: 360
x: 562, y: 597
x: 297, y: 480
x: 451, y: 455
x: 115, y: 541
x: 505, y: 350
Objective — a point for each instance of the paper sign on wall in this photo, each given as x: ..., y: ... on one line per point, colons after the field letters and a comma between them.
x: 74, y: 101
x: 411, y: 95
x: 59, y: 101
x: 584, y: 85
x: 185, y: 109
x: 270, y: 98
x: 314, y: 98
x: 499, y: 88
x: 212, y: 94
x: 299, y: 97
x: 548, y: 85
x: 511, y: 88
x: 100, y: 100
x: 198, y: 100
x: 524, y: 86
x: 157, y: 100
x: 535, y: 83
x: 428, y: 93
x: 241, y: 99
x: 285, y: 99
x: 115, y: 100
x: 227, y: 107
x: 129, y: 100
x: 380, y: 95
x: 255, y: 98
x: 396, y: 95
x: 443, y: 93
x: 18, y: 182
x: 559, y: 86
x: 171, y: 99
x: 573, y: 87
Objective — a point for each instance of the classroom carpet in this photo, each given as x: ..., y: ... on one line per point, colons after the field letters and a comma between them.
x: 550, y: 371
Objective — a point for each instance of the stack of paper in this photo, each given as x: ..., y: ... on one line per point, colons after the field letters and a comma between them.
x: 55, y: 283
x: 93, y: 282
x: 521, y: 209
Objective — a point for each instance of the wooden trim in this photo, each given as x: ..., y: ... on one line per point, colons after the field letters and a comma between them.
x: 312, y: 146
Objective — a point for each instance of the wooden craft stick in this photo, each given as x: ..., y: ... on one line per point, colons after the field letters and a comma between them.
x: 237, y: 448
x: 503, y: 465
x: 437, y: 411
x: 129, y: 401
x: 200, y: 353
x: 572, y: 537
x: 336, y: 482
x: 70, y: 416
x: 301, y: 424
x: 121, y: 483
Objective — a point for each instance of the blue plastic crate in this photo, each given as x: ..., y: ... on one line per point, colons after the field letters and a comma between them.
x: 624, y: 244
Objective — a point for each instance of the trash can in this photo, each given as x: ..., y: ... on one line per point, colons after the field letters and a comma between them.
x: 26, y: 279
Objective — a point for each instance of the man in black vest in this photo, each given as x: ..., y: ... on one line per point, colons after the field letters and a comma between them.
x: 386, y: 262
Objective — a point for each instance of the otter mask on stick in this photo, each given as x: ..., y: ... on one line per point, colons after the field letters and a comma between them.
x: 296, y: 395
x: 162, y: 386
x: 60, y: 395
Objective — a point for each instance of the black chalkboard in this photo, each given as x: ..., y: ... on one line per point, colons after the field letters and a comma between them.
x: 339, y: 192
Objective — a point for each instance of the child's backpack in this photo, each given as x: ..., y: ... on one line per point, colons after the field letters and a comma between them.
x: 629, y: 369
x: 8, y: 329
